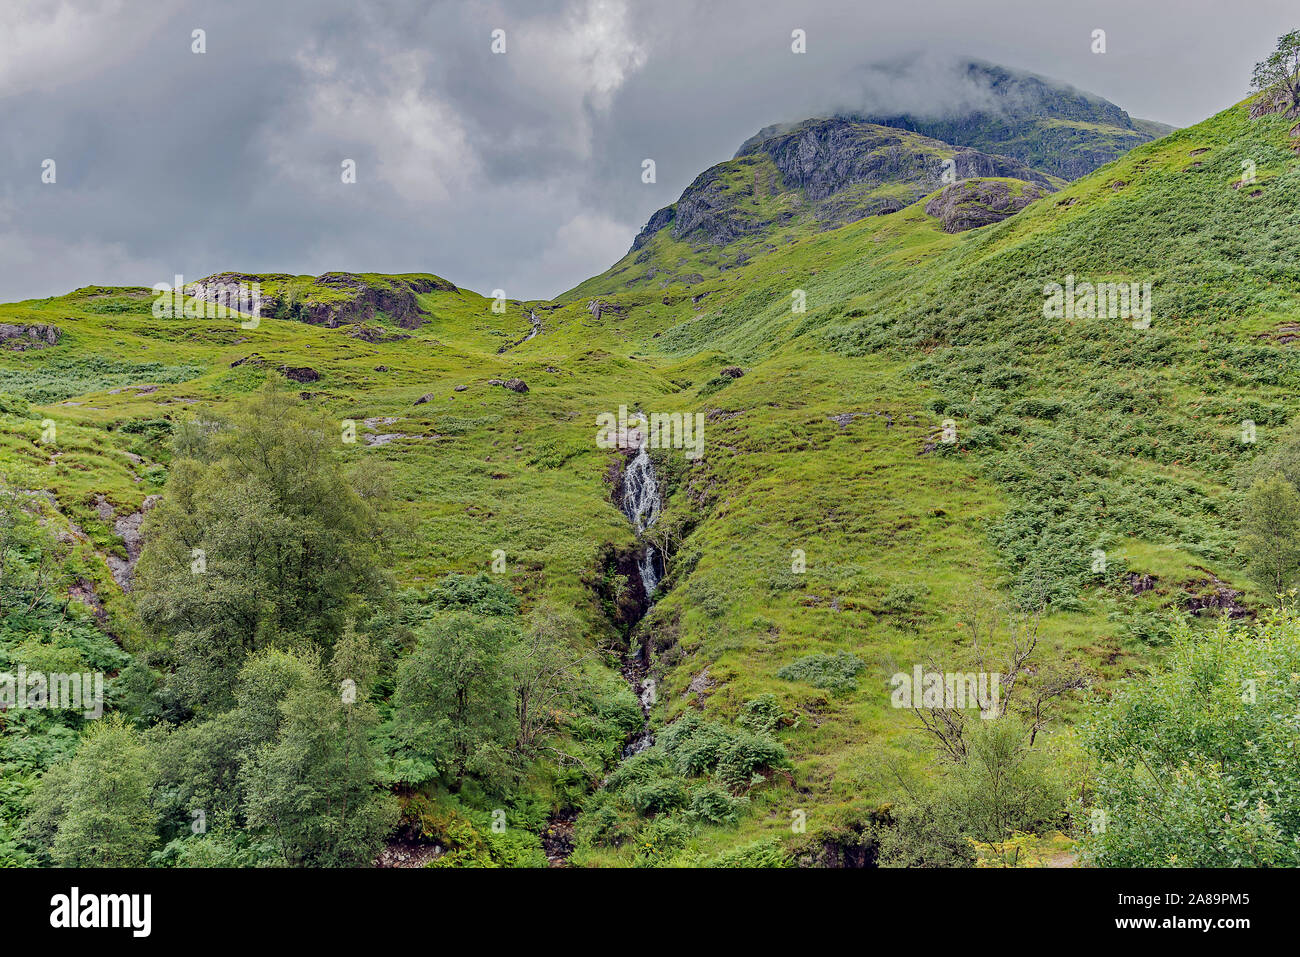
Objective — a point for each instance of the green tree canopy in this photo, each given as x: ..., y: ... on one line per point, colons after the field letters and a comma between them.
x: 1270, y: 533
x: 1279, y: 73
x: 310, y: 790
x: 454, y: 695
x: 1196, y: 764
x: 96, y: 810
x: 263, y: 539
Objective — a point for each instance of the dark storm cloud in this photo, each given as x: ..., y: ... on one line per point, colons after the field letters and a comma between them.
x: 519, y: 171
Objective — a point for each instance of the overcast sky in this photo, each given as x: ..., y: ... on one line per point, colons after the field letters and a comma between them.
x: 519, y: 170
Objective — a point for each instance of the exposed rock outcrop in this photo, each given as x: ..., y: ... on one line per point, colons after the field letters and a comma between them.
x: 335, y: 298
x: 33, y: 336
x: 974, y: 203
x: 299, y: 374
x: 1046, y: 124
x: 127, y: 528
x: 375, y: 334
x: 1277, y: 101
x: 824, y: 156
x: 832, y: 168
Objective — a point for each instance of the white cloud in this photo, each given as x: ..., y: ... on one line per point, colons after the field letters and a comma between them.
x: 566, y: 259
x: 573, y: 66
x: 45, y: 44
x: 598, y: 38
x: 419, y: 145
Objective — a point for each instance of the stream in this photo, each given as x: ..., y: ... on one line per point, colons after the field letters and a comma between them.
x: 641, y: 505
x: 535, y: 327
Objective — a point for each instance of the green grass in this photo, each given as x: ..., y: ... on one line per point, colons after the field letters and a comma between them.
x: 1072, y: 436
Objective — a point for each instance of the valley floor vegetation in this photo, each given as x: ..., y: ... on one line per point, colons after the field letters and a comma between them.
x: 286, y: 704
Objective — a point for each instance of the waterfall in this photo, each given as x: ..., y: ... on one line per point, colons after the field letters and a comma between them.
x: 536, y: 323
x: 641, y: 506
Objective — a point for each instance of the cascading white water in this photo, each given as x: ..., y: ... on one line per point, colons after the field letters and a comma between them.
x: 537, y: 325
x: 641, y: 506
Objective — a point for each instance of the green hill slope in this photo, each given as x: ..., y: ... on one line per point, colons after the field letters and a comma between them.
x: 829, y: 535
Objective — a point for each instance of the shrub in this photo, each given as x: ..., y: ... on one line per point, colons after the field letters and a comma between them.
x: 745, y: 755
x: 599, y: 824
x: 762, y: 853
x: 474, y: 593
x: 693, y: 744
x: 656, y: 796
x: 762, y: 715
x: 1196, y: 763
x: 837, y: 672
x: 712, y: 804
x: 902, y: 598
x: 660, y: 840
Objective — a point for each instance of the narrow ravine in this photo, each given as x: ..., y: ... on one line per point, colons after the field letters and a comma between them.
x: 534, y: 328
x: 641, y: 504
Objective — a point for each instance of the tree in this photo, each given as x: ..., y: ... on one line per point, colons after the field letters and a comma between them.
x: 991, y: 622
x: 1270, y: 533
x: 1004, y: 785
x: 454, y: 696
x: 544, y: 671
x: 263, y: 539
x: 1278, y: 76
x: 96, y: 809
x: 200, y: 760
x: 1195, y: 764
x: 311, y: 791
x: 998, y: 788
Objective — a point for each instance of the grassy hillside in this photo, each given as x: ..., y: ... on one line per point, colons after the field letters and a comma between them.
x: 828, y: 537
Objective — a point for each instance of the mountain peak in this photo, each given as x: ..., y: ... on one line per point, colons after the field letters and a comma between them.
x: 822, y: 173
x: 1042, y: 122
x: 826, y: 171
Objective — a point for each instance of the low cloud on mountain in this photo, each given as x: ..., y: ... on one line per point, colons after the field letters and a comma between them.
x: 519, y: 171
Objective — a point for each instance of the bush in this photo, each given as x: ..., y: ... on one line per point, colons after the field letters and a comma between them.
x: 14, y: 405
x: 656, y: 796
x: 837, y: 672
x: 1000, y: 789
x: 473, y: 593
x: 660, y: 840
x: 692, y: 744
x: 1196, y: 763
x: 712, y: 804
x: 762, y: 853
x: 599, y: 824
x: 745, y: 755
x: 902, y: 598
x: 762, y: 715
